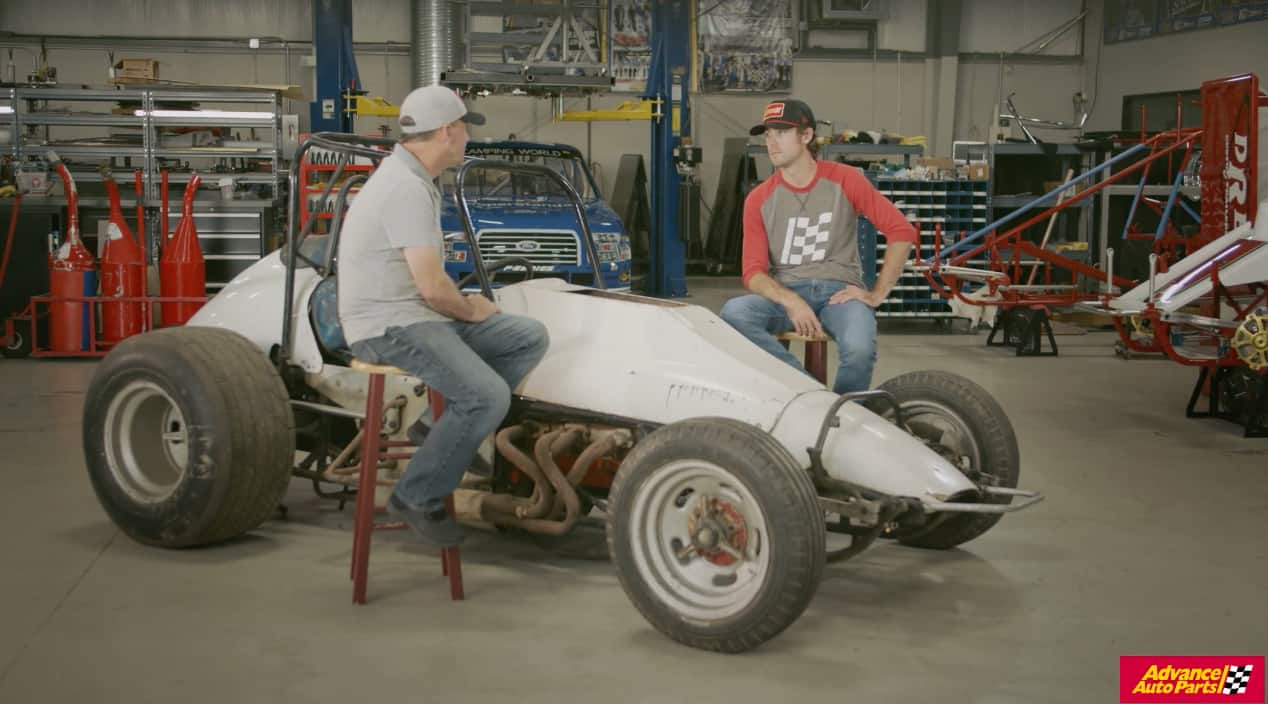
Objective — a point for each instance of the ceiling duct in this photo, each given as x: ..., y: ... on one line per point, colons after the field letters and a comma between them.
x: 434, y: 45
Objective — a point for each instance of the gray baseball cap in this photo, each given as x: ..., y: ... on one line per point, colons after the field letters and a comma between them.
x: 432, y: 107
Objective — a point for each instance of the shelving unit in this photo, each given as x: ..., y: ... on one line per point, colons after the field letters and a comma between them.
x: 8, y: 106
x: 1019, y: 173
x: 959, y: 206
x: 138, y: 134
x: 142, y: 129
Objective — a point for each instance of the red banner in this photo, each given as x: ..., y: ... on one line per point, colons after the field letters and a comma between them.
x: 1198, y: 678
x: 1230, y: 155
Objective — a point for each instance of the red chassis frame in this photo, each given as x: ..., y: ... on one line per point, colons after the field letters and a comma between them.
x: 32, y: 314
x: 1230, y: 153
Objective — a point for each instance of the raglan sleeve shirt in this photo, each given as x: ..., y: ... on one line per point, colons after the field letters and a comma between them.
x: 869, y: 202
x: 862, y: 196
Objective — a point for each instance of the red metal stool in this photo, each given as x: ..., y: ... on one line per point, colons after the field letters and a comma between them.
x: 371, y: 444
x: 816, y: 353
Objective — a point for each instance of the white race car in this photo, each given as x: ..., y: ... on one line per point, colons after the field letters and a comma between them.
x: 719, y: 468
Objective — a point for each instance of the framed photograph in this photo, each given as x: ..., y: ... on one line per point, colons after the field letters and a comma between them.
x: 630, y: 24
x: 1238, y: 11
x: 1185, y: 15
x: 745, y: 46
x: 1130, y: 19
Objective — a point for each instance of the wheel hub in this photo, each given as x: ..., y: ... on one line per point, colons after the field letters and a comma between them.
x: 700, y: 539
x: 147, y: 442
x: 718, y: 531
x: 1250, y: 341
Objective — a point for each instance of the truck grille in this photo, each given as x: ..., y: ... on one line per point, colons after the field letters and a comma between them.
x: 543, y: 249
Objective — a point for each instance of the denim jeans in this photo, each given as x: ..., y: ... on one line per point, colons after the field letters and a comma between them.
x: 852, y: 325
x: 475, y: 366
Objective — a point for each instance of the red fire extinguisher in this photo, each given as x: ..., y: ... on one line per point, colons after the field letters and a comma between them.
x: 72, y: 274
x: 181, y: 271
x: 122, y: 273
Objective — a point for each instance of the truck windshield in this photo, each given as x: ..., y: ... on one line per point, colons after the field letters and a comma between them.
x: 494, y: 183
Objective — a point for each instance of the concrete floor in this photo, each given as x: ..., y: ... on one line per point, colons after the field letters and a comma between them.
x: 1150, y: 541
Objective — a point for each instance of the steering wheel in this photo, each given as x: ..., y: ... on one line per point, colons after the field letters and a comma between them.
x: 498, y: 266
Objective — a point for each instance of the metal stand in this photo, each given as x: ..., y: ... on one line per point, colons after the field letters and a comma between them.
x: 1250, y: 416
x: 1025, y: 329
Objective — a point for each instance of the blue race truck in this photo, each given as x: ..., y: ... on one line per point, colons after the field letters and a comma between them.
x: 527, y: 216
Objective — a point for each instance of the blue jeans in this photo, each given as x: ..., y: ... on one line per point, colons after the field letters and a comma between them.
x: 475, y: 366
x: 852, y: 325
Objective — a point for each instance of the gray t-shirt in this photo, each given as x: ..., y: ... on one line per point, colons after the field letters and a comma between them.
x: 398, y: 207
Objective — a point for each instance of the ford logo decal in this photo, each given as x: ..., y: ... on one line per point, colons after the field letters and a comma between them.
x: 527, y: 245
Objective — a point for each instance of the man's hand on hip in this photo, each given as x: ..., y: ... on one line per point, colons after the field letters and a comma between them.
x: 854, y: 293
x: 803, y: 318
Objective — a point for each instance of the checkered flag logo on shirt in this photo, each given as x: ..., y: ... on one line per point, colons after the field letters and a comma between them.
x: 805, y: 242
x: 1237, y: 679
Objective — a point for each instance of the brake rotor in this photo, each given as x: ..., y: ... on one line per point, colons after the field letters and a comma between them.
x: 1250, y: 341
x: 713, y: 522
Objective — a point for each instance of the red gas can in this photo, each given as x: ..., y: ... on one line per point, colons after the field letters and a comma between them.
x: 122, y: 273
x: 181, y: 270
x: 72, y: 274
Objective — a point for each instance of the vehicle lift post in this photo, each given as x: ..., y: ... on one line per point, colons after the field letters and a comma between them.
x: 668, y: 79
x: 336, y: 66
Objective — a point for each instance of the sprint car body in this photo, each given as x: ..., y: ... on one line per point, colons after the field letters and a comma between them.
x: 718, y: 469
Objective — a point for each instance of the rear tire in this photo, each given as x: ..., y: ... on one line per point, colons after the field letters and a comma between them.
x: 188, y: 436
x: 962, y: 421
x: 734, y: 481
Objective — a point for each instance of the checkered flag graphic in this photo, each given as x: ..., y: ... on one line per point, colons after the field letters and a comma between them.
x: 805, y: 242
x: 1237, y: 680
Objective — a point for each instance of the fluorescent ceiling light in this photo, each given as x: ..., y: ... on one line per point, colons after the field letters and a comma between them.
x: 209, y: 114
x: 6, y: 110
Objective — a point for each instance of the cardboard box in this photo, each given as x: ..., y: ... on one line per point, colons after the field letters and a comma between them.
x: 136, y: 69
x: 937, y: 167
x: 979, y: 171
x: 939, y: 163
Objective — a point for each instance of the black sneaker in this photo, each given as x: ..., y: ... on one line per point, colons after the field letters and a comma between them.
x: 417, y: 434
x: 435, y: 528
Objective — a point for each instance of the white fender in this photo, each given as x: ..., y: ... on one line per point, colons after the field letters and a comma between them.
x: 868, y: 450
x: 665, y: 361
x: 252, y: 303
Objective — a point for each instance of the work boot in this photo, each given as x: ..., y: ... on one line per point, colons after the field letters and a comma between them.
x: 417, y: 434
x: 435, y: 528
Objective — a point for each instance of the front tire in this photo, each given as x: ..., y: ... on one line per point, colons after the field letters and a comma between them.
x: 716, y: 534
x: 962, y: 421
x: 188, y: 436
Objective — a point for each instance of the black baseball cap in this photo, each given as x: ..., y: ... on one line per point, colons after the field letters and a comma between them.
x: 785, y: 113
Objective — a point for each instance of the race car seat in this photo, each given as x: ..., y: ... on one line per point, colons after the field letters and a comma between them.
x: 323, y: 312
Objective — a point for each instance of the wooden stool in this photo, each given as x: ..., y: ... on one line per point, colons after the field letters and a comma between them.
x: 371, y: 444
x: 816, y: 353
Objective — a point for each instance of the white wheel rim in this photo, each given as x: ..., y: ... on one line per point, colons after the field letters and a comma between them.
x: 947, y: 430
x: 146, y: 442
x: 698, y: 587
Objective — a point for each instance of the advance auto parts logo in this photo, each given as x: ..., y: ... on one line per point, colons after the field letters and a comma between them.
x: 1204, y: 678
